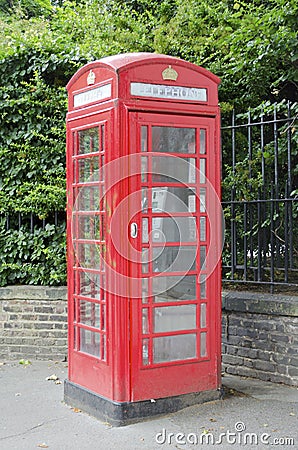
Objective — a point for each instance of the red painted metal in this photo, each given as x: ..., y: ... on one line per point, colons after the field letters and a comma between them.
x: 117, y: 341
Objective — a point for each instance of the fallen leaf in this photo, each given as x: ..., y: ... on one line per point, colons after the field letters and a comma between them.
x: 58, y: 382
x: 76, y: 410
x: 52, y: 378
x: 43, y: 445
x: 25, y: 362
x: 212, y: 420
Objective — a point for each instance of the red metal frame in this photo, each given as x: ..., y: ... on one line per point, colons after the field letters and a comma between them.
x: 117, y: 370
x: 195, y: 374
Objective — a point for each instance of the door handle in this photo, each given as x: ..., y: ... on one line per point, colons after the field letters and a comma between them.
x: 133, y: 230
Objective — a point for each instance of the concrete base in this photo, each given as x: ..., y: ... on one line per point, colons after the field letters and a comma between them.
x: 120, y: 414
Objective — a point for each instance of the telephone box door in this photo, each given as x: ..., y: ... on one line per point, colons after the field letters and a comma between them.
x: 89, y: 348
x: 175, y: 326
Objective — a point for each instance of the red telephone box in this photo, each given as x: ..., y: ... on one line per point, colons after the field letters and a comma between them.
x: 144, y: 237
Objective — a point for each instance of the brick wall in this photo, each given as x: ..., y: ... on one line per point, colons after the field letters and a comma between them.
x: 33, y: 322
x: 260, y: 336
x: 260, y: 332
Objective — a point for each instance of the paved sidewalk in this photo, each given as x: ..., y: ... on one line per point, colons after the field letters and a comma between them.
x: 253, y: 415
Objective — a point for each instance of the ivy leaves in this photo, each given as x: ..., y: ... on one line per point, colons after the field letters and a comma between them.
x: 33, y: 258
x: 32, y: 148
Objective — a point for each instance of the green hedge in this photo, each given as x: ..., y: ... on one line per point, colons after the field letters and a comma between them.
x: 250, y: 45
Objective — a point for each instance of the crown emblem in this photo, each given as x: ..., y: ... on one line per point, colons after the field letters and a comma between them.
x: 91, y: 77
x: 169, y: 74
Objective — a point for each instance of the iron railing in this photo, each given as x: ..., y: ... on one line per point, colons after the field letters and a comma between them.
x: 260, y: 198
x: 30, y: 221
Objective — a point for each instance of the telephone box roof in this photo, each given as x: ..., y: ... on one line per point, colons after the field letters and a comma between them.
x: 125, y: 61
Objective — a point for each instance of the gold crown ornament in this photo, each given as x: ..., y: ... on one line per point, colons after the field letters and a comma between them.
x: 91, y: 77
x: 169, y: 74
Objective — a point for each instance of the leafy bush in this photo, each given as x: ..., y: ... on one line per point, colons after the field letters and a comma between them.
x: 33, y: 258
x: 250, y: 45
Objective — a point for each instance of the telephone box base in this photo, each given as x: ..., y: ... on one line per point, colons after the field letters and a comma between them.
x: 120, y: 414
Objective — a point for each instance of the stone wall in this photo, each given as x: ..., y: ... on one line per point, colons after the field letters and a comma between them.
x: 260, y: 332
x: 260, y: 336
x: 33, y: 322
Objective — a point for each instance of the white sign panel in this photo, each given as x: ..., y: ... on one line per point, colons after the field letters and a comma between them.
x: 171, y: 92
x: 92, y: 95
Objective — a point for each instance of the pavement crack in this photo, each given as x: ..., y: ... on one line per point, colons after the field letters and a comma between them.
x: 29, y: 429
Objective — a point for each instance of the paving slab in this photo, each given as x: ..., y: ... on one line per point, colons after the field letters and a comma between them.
x: 252, y: 415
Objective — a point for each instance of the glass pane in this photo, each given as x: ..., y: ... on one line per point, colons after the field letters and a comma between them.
x: 144, y: 171
x: 203, y: 286
x: 145, y: 321
x: 173, y: 199
x: 75, y: 338
x: 102, y: 198
x: 145, y: 351
x: 203, y: 344
x: 203, y: 319
x: 103, y: 281
x: 88, y: 198
x: 174, y: 288
x: 168, y: 169
x: 101, y: 172
x: 203, y: 258
x: 88, y: 170
x: 102, y: 291
x: 102, y: 146
x: 144, y: 138
x: 202, y: 171
x: 103, y: 347
x: 174, y: 318
x: 89, y: 285
x: 202, y: 142
x: 174, y: 259
x: 89, y: 255
x: 144, y: 200
x: 145, y: 290
x: 173, y: 348
x: 90, y: 342
x: 203, y: 200
x: 145, y: 230
x: 203, y: 228
x: 88, y: 141
x: 173, y: 140
x: 145, y: 256
x: 103, y: 317
x: 89, y: 227
x: 192, y: 207
x: 102, y: 227
x: 174, y: 229
x: 90, y: 313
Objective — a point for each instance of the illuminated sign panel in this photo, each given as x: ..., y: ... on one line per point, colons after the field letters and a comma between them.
x: 92, y: 95
x: 170, y: 92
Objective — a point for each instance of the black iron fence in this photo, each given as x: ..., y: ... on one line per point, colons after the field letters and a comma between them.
x: 30, y: 221
x: 260, y: 197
